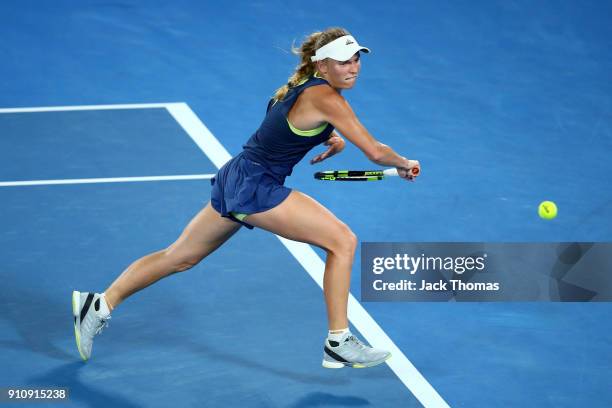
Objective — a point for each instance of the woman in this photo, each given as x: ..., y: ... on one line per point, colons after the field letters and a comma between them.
x: 249, y: 190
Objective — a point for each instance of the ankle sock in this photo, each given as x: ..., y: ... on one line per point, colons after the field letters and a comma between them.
x: 103, y: 308
x: 335, y: 336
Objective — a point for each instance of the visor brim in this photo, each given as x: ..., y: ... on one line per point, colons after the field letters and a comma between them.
x: 347, y: 53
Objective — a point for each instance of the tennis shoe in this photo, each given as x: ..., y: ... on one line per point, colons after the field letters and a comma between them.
x: 91, y: 316
x: 351, y: 352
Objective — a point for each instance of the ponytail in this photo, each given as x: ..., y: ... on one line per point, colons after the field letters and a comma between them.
x: 306, y: 68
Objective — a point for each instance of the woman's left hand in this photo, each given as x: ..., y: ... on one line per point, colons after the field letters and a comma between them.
x: 336, y: 145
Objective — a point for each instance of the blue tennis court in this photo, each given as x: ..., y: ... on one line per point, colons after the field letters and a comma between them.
x: 113, y: 117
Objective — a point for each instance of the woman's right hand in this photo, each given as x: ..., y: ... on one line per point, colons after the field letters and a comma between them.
x: 410, y: 170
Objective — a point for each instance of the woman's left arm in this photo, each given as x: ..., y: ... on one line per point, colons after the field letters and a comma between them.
x: 336, y: 145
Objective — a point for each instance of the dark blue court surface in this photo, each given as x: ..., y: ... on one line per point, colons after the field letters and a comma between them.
x: 505, y: 104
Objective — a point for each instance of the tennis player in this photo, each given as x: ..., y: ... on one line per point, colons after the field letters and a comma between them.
x: 249, y: 191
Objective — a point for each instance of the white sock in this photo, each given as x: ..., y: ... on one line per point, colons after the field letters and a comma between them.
x: 104, y: 309
x: 337, y: 335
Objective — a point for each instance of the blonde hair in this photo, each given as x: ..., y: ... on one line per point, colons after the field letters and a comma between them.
x: 306, y: 68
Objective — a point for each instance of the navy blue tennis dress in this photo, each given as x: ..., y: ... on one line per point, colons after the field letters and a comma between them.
x: 253, y: 181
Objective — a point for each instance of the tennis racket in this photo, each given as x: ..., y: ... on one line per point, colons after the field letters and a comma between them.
x: 359, y: 175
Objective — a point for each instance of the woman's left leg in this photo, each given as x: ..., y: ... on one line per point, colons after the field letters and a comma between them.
x: 301, y: 218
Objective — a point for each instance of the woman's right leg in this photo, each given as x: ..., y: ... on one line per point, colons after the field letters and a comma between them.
x: 206, y: 232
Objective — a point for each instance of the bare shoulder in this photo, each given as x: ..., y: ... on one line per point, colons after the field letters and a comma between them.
x: 326, y: 99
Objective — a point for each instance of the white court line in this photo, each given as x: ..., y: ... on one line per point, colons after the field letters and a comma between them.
x: 186, y: 122
x: 200, y: 134
x: 85, y: 107
x: 308, y: 258
x: 304, y: 254
x: 104, y: 180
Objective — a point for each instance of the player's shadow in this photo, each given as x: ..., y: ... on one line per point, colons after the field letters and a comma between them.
x: 144, y: 335
x: 323, y: 399
x: 37, y: 320
x: 250, y: 364
x: 67, y: 376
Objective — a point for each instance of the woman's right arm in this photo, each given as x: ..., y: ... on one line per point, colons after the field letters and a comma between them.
x: 336, y: 110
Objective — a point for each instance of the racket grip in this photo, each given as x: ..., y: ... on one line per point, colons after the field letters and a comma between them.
x: 390, y: 172
x: 393, y: 172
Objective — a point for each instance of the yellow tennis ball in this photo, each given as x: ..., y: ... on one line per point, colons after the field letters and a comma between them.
x: 547, y: 210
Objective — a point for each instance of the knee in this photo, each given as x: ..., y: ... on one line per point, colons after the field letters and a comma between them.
x: 182, y: 261
x: 352, y: 241
x: 186, y: 264
x: 345, y: 242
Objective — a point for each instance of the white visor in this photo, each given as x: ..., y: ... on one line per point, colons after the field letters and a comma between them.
x: 341, y: 49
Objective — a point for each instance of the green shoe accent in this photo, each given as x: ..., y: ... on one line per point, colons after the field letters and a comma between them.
x: 77, y: 337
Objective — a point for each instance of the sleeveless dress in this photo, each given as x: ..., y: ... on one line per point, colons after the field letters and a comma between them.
x: 253, y: 181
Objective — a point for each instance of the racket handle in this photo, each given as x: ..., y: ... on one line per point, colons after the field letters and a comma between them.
x: 390, y: 172
x: 393, y: 172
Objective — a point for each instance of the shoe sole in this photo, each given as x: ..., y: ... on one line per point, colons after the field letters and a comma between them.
x: 337, y: 364
x: 76, y: 300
